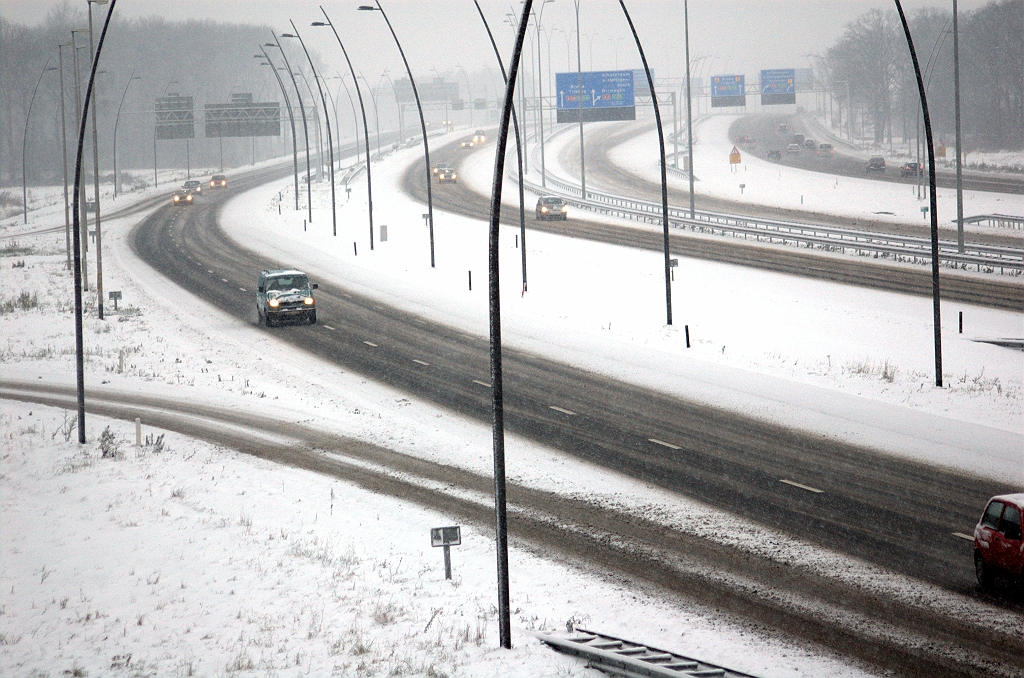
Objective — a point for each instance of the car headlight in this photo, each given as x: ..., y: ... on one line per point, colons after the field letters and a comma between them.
x: 454, y: 175
x: 308, y: 301
x: 565, y: 209
x: 175, y: 198
x: 273, y: 303
x: 543, y: 209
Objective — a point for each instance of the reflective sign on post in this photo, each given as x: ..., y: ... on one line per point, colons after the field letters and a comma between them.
x: 446, y: 537
x: 734, y: 156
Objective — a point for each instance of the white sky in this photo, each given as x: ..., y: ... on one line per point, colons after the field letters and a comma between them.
x: 735, y: 36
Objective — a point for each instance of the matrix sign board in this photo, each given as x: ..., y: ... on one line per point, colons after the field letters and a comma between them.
x: 728, y: 90
x: 243, y: 117
x: 778, y: 86
x: 175, y: 118
x: 606, y: 95
x: 437, y: 90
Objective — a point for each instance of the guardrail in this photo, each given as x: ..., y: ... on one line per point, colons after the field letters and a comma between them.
x: 988, y: 258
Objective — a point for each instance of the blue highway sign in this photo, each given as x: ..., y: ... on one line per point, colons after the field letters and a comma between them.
x: 606, y: 95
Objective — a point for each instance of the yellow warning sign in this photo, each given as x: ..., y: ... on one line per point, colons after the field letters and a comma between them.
x: 734, y: 156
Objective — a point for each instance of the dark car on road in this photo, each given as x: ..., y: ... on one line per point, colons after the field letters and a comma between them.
x: 218, y: 181
x: 551, y: 208
x: 998, y: 547
x: 825, y: 150
x: 783, y: 127
x: 181, y: 198
x: 911, y: 169
x: 193, y: 186
x: 810, y: 143
x: 775, y: 154
x: 285, y: 294
x: 876, y: 164
x: 446, y: 175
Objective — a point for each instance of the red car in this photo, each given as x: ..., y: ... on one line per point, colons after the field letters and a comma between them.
x: 998, y: 548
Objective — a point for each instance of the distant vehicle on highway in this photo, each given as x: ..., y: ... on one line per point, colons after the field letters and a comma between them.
x: 479, y: 137
x: 775, y: 154
x: 793, y: 148
x: 912, y: 169
x: 825, y: 150
x: 782, y: 128
x: 181, y: 198
x: 218, y: 181
x: 798, y: 139
x: 446, y: 174
x: 998, y: 547
x: 468, y: 143
x: 193, y: 186
x: 551, y: 208
x: 876, y: 164
x: 284, y: 294
x: 810, y: 143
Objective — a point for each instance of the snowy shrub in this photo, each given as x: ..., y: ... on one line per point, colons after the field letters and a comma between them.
x: 110, y: 446
x: 24, y: 302
x: 74, y: 464
x: 67, y: 427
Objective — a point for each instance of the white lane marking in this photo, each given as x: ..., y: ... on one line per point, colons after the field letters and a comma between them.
x: 418, y: 321
x: 223, y: 279
x: 209, y: 271
x: 664, y: 444
x: 802, y: 487
x: 242, y: 289
x: 347, y: 296
x: 328, y: 327
x: 968, y: 537
x: 370, y: 343
x: 563, y: 411
x: 482, y: 383
x: 420, y: 362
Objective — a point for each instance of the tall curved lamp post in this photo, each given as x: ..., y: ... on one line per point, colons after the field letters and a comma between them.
x: 933, y: 199
x: 96, y: 175
x: 24, y: 138
x: 64, y: 151
x: 305, y: 127
x: 494, y: 304
x: 362, y: 108
x: 540, y: 91
x: 519, y: 145
x: 79, y: 341
x: 291, y: 117
x: 327, y: 116
x: 661, y: 155
x: 117, y: 119
x: 423, y: 124
x: 316, y: 120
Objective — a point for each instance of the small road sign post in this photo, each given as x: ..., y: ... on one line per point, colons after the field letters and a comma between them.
x: 734, y: 158
x: 673, y: 264
x: 446, y: 537
x: 115, y: 296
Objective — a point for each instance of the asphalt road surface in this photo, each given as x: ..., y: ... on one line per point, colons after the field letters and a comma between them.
x: 764, y: 130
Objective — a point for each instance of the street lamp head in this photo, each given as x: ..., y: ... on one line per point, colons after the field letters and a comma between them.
x: 288, y: 35
x: 270, y: 44
x: 367, y: 8
x: 97, y: 2
x: 321, y: 23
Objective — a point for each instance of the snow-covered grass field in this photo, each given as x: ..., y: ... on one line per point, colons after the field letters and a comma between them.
x: 196, y: 560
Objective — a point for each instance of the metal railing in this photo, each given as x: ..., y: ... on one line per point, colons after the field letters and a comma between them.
x: 988, y: 258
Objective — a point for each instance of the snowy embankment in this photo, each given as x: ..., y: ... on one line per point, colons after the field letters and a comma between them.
x: 792, y: 188
x: 199, y: 559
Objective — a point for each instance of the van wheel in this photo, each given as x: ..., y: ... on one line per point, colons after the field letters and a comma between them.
x: 982, y: 571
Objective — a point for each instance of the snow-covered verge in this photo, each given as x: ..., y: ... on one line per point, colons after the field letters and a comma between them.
x: 769, y: 184
x: 193, y: 352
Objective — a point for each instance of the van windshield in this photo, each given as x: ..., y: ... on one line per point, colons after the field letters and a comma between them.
x: 284, y: 283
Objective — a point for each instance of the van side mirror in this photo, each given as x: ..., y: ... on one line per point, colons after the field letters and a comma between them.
x: 260, y: 290
x: 315, y: 286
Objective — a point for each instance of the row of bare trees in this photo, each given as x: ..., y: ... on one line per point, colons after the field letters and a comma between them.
x: 869, y: 70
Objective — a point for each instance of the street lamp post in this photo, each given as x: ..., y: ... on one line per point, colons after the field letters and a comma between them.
x: 327, y: 116
x: 117, y: 119
x: 661, y: 155
x: 24, y: 138
x: 519, y: 145
x: 959, y: 146
x: 540, y: 91
x: 689, y: 103
x: 79, y: 203
x: 362, y: 108
x: 469, y: 93
x: 494, y: 307
x: 79, y: 340
x: 423, y: 123
x: 579, y: 103
x: 352, y: 105
x: 291, y: 118
x: 64, y: 150
x: 96, y: 176
x: 305, y: 127
x: 316, y: 122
